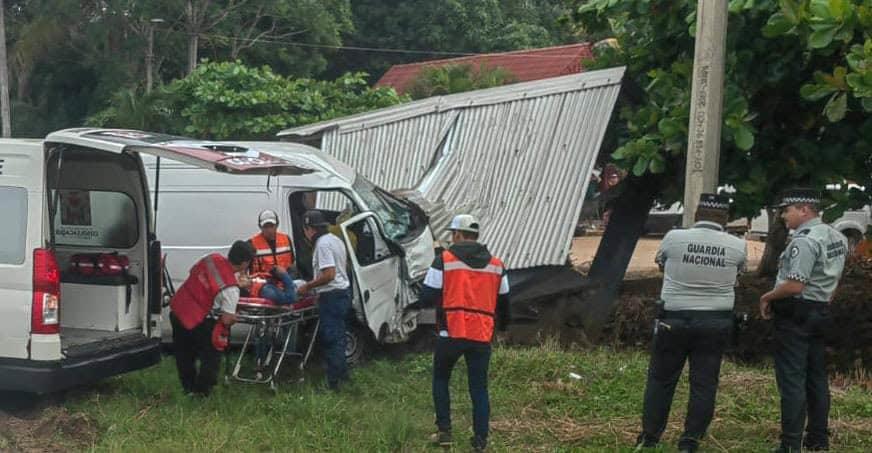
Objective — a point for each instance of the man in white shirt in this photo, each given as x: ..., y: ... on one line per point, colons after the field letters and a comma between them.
x: 329, y: 266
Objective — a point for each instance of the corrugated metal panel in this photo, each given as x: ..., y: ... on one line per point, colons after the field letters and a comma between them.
x: 518, y: 157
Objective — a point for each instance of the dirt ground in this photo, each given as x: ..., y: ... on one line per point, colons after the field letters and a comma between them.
x: 40, y: 423
x: 642, y: 263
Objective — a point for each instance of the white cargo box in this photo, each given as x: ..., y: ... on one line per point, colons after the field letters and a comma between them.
x: 100, y: 305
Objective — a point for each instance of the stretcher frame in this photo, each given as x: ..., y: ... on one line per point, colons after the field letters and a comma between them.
x: 270, y: 322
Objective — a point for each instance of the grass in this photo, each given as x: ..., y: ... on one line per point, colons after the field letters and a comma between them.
x: 536, y: 406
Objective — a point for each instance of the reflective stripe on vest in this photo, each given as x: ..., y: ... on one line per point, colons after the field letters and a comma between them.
x: 265, y: 258
x: 469, y: 297
x: 194, y: 299
x: 257, y: 283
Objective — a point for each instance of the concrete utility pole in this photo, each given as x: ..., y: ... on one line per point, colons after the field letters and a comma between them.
x: 5, y: 111
x: 149, y: 56
x: 706, y: 104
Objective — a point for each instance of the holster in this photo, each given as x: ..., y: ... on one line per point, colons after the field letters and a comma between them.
x: 740, y: 323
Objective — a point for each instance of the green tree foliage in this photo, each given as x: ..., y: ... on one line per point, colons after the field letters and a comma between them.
x: 231, y: 100
x: 262, y: 32
x: 840, y: 30
x: 791, y: 116
x: 448, y: 79
x: 69, y: 60
x: 469, y: 26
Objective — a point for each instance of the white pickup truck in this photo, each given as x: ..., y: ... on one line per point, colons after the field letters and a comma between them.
x: 853, y: 224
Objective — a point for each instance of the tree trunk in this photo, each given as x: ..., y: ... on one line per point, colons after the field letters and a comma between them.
x: 193, y: 27
x: 625, y: 226
x: 193, y: 42
x: 776, y: 240
x: 5, y: 111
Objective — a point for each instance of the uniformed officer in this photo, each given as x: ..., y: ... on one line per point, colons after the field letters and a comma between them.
x: 699, y: 266
x: 808, y: 274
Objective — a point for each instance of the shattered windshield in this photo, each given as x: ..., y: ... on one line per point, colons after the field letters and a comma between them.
x: 395, y: 214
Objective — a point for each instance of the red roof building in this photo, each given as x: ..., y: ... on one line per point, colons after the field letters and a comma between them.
x: 525, y: 65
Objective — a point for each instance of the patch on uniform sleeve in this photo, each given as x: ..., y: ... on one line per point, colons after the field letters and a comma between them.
x: 797, y: 277
x: 794, y: 251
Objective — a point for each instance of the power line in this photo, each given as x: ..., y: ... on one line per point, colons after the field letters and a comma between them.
x: 334, y: 47
x: 275, y: 41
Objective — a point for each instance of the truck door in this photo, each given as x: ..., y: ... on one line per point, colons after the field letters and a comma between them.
x: 376, y: 270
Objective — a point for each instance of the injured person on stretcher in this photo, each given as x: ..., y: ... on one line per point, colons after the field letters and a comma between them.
x: 277, y: 286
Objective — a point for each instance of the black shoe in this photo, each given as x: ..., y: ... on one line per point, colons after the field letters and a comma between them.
x: 815, y: 442
x: 442, y: 439
x: 688, y: 445
x: 643, y: 442
x: 785, y: 449
x: 479, y: 444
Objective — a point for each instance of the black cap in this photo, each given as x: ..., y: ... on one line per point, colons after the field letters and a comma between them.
x: 714, y: 201
x: 798, y: 195
x: 314, y: 218
x: 240, y: 252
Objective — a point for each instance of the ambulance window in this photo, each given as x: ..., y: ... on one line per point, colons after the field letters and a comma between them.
x: 13, y: 224
x: 95, y: 219
x: 368, y: 244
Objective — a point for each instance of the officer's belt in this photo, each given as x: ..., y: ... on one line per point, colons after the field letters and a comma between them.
x: 799, y: 300
x: 796, y: 307
x: 696, y: 314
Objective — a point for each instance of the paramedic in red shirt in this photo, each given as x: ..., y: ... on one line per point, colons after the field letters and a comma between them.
x: 207, y: 297
x: 470, y: 290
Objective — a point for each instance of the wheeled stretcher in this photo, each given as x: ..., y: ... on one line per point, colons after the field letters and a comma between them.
x: 274, y: 332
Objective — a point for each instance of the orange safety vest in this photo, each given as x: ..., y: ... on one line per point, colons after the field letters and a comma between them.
x: 264, y: 257
x: 469, y: 297
x: 257, y: 282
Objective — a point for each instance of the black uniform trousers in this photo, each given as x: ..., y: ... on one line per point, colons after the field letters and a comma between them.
x: 697, y: 336
x: 188, y: 347
x: 801, y: 372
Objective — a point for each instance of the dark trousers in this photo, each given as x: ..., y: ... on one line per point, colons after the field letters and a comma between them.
x: 477, y: 356
x: 801, y: 373
x: 333, y: 309
x: 701, y: 338
x: 190, y: 346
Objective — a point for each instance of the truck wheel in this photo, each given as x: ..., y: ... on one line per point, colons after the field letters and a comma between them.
x: 359, y: 344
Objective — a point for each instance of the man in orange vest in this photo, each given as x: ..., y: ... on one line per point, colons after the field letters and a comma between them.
x: 207, y: 297
x: 470, y: 290
x: 273, y: 257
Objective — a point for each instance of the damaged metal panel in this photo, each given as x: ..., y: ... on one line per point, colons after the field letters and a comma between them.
x: 394, y: 140
x: 518, y: 157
